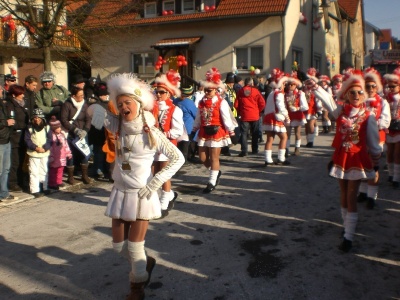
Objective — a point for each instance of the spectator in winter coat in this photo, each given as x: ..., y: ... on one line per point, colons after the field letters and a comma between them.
x: 16, y: 106
x: 37, y: 139
x: 51, y: 96
x: 60, y: 153
x: 6, y: 124
x: 30, y: 94
x: 249, y: 105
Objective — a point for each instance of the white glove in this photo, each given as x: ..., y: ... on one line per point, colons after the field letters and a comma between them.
x: 151, y: 187
x: 82, y: 134
x: 293, y: 108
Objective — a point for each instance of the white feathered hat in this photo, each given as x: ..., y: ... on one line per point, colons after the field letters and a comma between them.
x: 171, y: 81
x: 370, y: 74
x: 129, y: 84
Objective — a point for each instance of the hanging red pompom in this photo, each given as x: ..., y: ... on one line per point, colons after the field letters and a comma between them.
x: 164, y: 13
x: 206, y: 8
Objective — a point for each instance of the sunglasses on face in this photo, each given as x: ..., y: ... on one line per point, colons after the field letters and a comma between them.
x: 160, y: 92
x: 370, y: 86
x: 208, y: 90
x: 353, y: 93
x: 11, y: 80
x: 392, y: 86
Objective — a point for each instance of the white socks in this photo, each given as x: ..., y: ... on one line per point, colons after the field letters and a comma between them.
x: 138, y: 262
x: 213, y: 177
x: 363, y: 187
x: 310, y: 137
x: 165, y: 198
x: 122, y: 249
x: 372, y: 192
x: 298, y: 143
x: 316, y: 130
x: 350, y: 225
x: 268, y: 156
x: 281, y: 154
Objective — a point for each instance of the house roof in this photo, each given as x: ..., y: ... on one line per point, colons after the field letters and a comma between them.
x: 112, y: 13
x: 165, y: 43
x: 386, y: 35
x: 349, y: 7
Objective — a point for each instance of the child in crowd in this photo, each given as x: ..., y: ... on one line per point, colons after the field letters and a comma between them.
x: 59, y: 153
x: 37, y: 139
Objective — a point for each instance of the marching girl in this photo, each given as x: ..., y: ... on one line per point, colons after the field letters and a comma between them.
x: 314, y: 110
x: 134, y: 199
x: 296, y: 104
x: 324, y: 82
x: 380, y: 109
x: 393, y: 136
x: 275, y: 119
x: 170, y: 122
x: 356, y: 144
x: 216, y: 125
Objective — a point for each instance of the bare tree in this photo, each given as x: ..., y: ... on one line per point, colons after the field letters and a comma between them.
x: 44, y: 21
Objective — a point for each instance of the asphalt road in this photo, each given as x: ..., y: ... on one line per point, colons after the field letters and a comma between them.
x: 264, y: 233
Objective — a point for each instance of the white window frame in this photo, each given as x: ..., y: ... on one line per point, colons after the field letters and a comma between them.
x: 248, y: 63
x: 169, y: 2
x: 147, y: 5
x: 188, y: 11
x: 147, y: 68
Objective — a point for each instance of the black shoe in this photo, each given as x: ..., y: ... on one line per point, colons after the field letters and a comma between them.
x: 370, y: 203
x: 47, y: 192
x: 346, y: 245
x: 254, y: 152
x: 54, y: 187
x: 310, y: 145
x: 390, y: 179
x: 362, y: 197
x: 396, y: 184
x: 209, y: 188
x: 164, y: 213
x: 10, y: 197
x: 151, y: 262
x: 218, y: 180
x: 38, y: 195
x: 242, y: 154
x: 171, y: 203
x: 282, y: 163
x: 15, y: 188
x: 266, y: 164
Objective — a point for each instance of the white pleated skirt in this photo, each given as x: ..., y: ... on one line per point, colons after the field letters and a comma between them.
x: 128, y: 207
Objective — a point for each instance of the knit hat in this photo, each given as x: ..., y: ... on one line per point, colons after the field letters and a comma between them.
x: 101, y: 89
x: 37, y: 112
x: 354, y: 80
x: 128, y: 83
x: 237, y: 79
x: 230, y: 77
x: 77, y: 78
x: 170, y: 81
x: 187, y: 90
x: 54, y: 123
x: 370, y: 74
x: 213, y: 80
x: 47, y: 76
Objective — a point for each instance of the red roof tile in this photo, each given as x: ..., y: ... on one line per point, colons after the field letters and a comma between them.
x: 112, y: 13
x: 349, y: 7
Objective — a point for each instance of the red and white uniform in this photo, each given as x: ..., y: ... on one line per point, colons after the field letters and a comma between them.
x: 379, y: 107
x: 296, y: 104
x: 215, y: 111
x: 275, y: 112
x: 170, y: 121
x: 355, y: 142
x: 394, y: 104
x: 314, y: 106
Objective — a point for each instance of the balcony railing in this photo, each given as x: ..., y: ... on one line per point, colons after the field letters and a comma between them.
x: 64, y: 37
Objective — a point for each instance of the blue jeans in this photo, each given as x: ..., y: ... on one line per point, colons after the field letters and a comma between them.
x: 5, y: 162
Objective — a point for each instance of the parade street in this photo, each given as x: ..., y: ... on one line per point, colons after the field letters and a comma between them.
x: 264, y: 233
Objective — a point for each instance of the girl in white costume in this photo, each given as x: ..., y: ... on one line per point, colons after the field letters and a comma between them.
x: 134, y: 199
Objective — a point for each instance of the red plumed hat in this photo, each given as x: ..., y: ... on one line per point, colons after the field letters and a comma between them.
x: 171, y: 81
x: 213, y: 79
x: 370, y: 74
